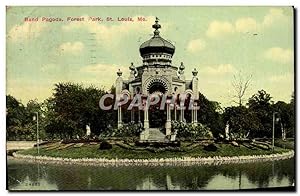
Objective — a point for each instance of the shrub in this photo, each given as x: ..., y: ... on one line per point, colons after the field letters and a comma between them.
x: 188, y: 130
x: 211, y: 148
x: 127, y: 130
x: 105, y: 146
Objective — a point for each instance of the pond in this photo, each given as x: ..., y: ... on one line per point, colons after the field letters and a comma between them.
x: 35, y: 176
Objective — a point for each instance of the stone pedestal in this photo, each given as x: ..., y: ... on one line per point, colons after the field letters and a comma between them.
x: 173, y: 137
x: 168, y: 128
x: 144, y: 135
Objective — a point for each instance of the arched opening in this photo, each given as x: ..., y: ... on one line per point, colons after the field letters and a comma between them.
x: 157, y: 87
x: 157, y: 116
x: 187, y: 112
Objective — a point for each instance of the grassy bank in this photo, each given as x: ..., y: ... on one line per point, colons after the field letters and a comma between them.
x: 117, y: 151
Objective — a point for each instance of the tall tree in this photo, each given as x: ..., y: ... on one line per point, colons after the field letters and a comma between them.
x: 261, y: 104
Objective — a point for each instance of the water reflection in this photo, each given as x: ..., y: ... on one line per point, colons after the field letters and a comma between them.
x: 29, y: 176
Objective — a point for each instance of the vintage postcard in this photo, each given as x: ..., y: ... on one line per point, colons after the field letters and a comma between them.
x: 150, y: 98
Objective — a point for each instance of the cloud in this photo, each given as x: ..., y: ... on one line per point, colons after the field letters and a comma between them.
x: 196, y: 45
x: 281, y: 86
x: 218, y: 29
x: 279, y: 55
x: 272, y: 16
x: 72, y: 48
x: 48, y: 67
x: 97, y: 68
x: 106, y: 72
x: 111, y: 35
x: 26, y: 31
x: 284, y: 78
x: 245, y: 25
x: 221, y: 69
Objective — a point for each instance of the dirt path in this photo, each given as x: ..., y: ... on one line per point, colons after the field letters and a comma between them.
x: 17, y: 145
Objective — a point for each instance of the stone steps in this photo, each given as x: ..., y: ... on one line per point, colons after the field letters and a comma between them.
x: 156, y: 135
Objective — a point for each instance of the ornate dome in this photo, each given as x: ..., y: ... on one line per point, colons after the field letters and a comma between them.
x: 157, y: 44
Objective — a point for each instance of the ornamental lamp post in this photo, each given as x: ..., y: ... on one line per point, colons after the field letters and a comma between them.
x: 37, y: 131
x: 273, y: 128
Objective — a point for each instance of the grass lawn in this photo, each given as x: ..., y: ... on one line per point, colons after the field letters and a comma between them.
x: 92, y: 151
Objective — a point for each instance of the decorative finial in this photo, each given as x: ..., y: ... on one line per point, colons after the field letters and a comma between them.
x: 132, y: 67
x: 181, y: 67
x: 119, y: 73
x: 156, y: 26
x: 195, y: 72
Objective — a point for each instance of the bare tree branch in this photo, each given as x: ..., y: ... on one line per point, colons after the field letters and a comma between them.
x: 240, y: 85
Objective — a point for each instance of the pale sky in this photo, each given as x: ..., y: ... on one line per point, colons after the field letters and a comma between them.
x: 218, y: 41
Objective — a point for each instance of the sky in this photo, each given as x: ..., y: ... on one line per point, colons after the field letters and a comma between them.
x: 220, y: 42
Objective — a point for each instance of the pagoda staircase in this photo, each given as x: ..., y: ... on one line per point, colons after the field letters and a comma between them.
x: 156, y: 135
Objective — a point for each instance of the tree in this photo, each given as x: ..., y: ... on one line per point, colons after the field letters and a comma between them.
x: 72, y: 107
x: 210, y: 115
x: 286, y: 112
x: 261, y: 105
x: 242, y: 121
x: 283, y: 110
x: 240, y: 85
x: 15, y: 117
x: 20, y: 123
x: 291, y: 129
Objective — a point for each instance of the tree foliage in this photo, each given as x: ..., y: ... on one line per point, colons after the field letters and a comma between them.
x: 20, y: 124
x: 256, y: 119
x: 261, y: 105
x: 72, y: 107
x: 242, y: 121
x: 210, y: 114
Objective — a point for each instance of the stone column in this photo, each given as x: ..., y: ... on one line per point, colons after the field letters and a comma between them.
x: 132, y: 115
x: 139, y: 115
x: 145, y: 133
x: 168, y: 123
x: 168, y: 112
x: 146, y: 120
x: 119, y: 117
x: 195, y: 115
x: 175, y: 112
x: 181, y: 113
